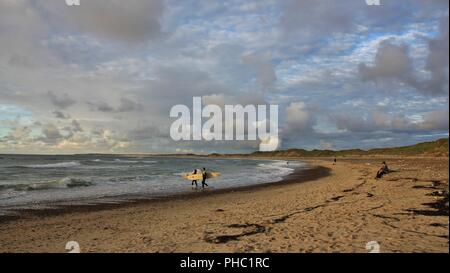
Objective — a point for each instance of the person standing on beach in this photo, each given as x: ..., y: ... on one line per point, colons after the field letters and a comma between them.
x: 194, y: 181
x: 204, y: 178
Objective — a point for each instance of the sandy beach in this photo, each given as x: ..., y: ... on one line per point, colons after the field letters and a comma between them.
x: 334, y: 208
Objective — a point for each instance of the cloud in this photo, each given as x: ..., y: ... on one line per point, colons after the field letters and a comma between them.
x: 394, y: 63
x: 146, y: 133
x: 17, y: 135
x: 222, y: 99
x: 62, y: 101
x: 435, y: 120
x: 263, y: 68
x: 298, y: 118
x: 125, y: 105
x: 135, y: 21
x: 76, y: 127
x: 50, y: 134
x: 391, y: 62
x: 381, y: 121
x: 110, y: 139
x: 248, y: 99
x: 305, y: 19
x: 437, y: 62
x: 69, y: 138
x: 298, y: 125
x: 308, y: 22
x: 101, y: 107
x: 60, y: 115
x: 326, y: 145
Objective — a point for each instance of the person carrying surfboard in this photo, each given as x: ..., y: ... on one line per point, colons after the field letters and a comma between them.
x: 204, y: 178
x: 194, y: 181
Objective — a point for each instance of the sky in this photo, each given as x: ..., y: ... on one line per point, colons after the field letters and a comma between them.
x: 102, y: 77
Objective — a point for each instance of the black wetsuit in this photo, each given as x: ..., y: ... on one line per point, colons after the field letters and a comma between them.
x: 204, y: 179
x: 194, y: 181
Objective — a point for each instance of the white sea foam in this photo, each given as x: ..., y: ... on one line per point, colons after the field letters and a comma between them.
x: 70, y: 164
x: 125, y: 161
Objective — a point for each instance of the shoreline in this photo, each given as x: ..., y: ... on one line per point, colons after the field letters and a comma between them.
x: 339, y: 212
x: 299, y: 175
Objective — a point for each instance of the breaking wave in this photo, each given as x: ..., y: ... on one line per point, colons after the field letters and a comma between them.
x: 67, y: 182
x: 70, y: 164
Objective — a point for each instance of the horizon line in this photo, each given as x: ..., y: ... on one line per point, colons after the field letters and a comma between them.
x: 215, y: 153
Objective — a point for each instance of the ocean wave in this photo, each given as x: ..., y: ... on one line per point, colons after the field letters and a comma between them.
x: 75, y: 182
x: 277, y: 165
x: 122, y: 179
x: 125, y: 161
x: 67, y: 182
x: 275, y: 170
x: 70, y: 164
x: 149, y: 161
x: 135, y: 161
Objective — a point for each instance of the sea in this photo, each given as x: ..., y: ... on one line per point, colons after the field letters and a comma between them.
x: 49, y: 181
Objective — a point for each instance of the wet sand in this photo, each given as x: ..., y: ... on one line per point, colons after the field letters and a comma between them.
x: 333, y: 208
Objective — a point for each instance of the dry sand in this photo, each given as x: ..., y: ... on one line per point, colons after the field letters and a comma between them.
x: 341, y: 212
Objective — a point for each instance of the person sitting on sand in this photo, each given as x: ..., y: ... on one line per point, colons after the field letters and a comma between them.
x: 383, y: 170
x: 194, y: 181
x: 204, y: 178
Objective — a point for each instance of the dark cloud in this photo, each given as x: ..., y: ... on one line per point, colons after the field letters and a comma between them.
x: 309, y: 19
x: 21, y: 61
x: 125, y: 105
x: 177, y: 85
x: 101, y: 107
x: 394, y: 63
x: 61, y: 100
x: 135, y: 21
x: 437, y: 62
x: 263, y: 68
x: 147, y: 132
x: 60, y: 115
x: 50, y: 134
x: 76, y: 127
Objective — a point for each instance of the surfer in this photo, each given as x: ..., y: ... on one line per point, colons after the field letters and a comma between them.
x: 194, y: 181
x: 204, y: 178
